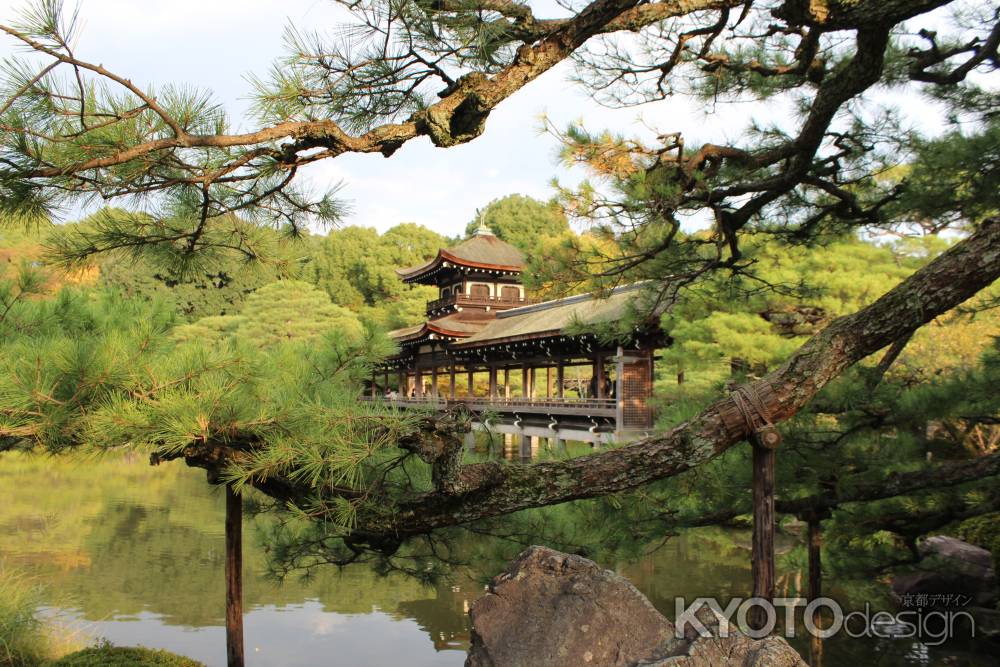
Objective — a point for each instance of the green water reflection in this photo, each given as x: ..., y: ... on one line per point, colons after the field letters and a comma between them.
x: 134, y: 554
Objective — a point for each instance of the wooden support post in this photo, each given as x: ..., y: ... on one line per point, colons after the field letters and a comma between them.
x: 402, y: 385
x: 763, y: 531
x: 419, y: 379
x: 234, y: 578
x: 451, y: 384
x: 525, y: 382
x: 619, y: 390
x: 548, y: 382
x: 506, y: 383
x: 815, y: 587
x: 469, y: 392
x: 434, y: 382
x: 526, y: 447
x: 599, y: 374
x: 493, y: 383
x: 560, y: 377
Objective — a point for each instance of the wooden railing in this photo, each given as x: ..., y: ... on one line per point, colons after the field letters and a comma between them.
x: 469, y: 300
x: 563, y: 406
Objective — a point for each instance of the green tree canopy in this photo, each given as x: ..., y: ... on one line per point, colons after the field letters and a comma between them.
x: 521, y: 221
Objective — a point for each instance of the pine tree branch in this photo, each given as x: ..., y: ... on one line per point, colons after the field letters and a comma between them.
x: 483, y: 490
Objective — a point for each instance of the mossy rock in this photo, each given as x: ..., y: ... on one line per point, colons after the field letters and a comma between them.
x: 983, y: 531
x: 120, y: 656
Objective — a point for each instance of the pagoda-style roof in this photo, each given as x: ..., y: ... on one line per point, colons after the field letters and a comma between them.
x: 553, y: 318
x: 447, y: 328
x: 483, y: 251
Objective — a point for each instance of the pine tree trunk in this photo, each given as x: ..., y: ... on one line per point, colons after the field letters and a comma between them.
x: 234, y: 578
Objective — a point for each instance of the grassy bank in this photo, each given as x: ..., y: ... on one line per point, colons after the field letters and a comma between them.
x: 25, y: 640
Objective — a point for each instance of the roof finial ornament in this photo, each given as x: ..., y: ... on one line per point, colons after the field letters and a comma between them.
x: 482, y: 230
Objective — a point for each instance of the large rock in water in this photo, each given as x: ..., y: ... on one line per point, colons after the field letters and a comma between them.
x: 949, y: 566
x: 552, y: 609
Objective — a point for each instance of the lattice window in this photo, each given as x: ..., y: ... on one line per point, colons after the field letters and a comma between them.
x: 637, y: 387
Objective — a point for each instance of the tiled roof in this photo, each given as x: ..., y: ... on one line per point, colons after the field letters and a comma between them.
x: 554, y: 317
x: 451, y: 325
x: 482, y: 250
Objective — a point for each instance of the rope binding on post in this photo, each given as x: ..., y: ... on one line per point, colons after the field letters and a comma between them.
x: 749, y: 412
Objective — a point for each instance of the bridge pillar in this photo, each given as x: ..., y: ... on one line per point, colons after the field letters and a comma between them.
x: 527, y: 442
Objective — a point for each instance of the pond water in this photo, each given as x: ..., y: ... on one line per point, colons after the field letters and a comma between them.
x: 134, y: 554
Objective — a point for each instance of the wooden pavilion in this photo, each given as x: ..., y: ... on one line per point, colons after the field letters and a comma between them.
x: 525, y: 368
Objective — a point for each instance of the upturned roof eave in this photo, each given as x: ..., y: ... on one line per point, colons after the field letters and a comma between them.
x: 415, y: 273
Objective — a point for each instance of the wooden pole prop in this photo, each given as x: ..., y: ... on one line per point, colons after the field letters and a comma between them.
x: 234, y: 578
x: 749, y: 411
x: 815, y: 585
x: 763, y: 531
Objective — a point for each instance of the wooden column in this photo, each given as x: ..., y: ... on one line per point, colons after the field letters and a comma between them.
x: 418, y: 378
x: 560, y: 376
x: 402, y: 384
x: 234, y: 578
x: 548, y: 382
x: 525, y: 382
x: 763, y: 530
x: 451, y: 384
x: 468, y: 391
x: 493, y: 383
x: 619, y: 386
x: 434, y: 381
x: 815, y: 587
x: 599, y: 374
x: 506, y: 383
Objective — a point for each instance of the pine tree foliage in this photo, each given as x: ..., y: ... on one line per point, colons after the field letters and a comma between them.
x: 88, y: 369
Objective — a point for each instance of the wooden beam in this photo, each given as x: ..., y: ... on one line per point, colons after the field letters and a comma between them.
x: 234, y: 578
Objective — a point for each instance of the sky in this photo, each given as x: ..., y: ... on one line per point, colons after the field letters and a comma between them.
x: 214, y: 44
